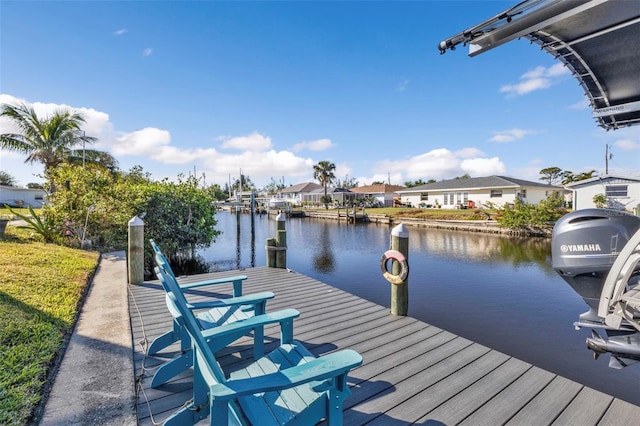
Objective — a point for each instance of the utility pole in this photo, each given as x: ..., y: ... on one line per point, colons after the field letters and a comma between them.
x: 607, y: 156
x: 83, y: 141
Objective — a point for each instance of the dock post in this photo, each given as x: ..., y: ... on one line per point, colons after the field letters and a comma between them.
x: 135, y: 254
x: 281, y: 242
x: 400, y: 293
x: 271, y: 252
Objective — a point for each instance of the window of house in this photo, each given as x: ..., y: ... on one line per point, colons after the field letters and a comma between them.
x: 616, y: 190
x: 496, y: 193
x: 523, y: 193
x: 449, y: 198
x: 424, y: 196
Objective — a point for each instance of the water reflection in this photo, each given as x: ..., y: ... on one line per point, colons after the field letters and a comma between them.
x: 323, y: 254
x: 477, y: 247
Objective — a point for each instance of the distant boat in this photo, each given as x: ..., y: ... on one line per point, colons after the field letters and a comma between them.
x: 276, y: 203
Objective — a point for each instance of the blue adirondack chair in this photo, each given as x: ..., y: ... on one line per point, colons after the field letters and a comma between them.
x: 287, y: 386
x: 214, y: 313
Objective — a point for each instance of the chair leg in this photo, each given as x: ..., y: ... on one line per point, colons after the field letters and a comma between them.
x: 188, y: 415
x: 164, y: 340
x: 172, y: 368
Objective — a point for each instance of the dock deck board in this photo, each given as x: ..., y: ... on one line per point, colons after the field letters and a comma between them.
x: 412, y: 372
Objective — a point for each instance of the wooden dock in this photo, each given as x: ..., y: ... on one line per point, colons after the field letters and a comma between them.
x: 413, y: 372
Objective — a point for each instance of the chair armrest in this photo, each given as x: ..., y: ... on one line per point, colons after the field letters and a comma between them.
x: 283, y: 316
x: 227, y: 280
x: 327, y: 366
x: 250, y: 299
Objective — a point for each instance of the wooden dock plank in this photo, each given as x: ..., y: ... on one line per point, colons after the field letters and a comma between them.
x: 467, y: 400
x: 507, y: 403
x: 413, y: 372
x: 436, y: 393
x: 549, y: 403
x: 588, y: 407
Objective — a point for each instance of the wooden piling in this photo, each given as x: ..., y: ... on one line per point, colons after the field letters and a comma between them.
x: 135, y: 255
x: 400, y: 292
x: 271, y: 252
x: 281, y: 242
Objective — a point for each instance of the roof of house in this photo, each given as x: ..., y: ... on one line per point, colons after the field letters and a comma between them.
x: 301, y: 187
x: 477, y: 183
x: 593, y: 39
x: 329, y: 190
x: 21, y: 189
x: 607, y: 178
x: 382, y: 188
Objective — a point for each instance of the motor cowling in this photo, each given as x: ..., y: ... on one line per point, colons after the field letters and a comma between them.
x: 584, y: 245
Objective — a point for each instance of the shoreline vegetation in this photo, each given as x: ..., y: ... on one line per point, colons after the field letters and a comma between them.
x: 470, y: 220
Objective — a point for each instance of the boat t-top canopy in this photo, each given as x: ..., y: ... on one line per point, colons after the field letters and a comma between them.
x: 598, y: 40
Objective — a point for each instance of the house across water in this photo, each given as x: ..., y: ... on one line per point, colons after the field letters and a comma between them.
x: 21, y: 197
x: 476, y: 193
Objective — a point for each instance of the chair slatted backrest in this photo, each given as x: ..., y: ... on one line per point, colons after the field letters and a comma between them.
x: 161, y: 259
x: 163, y: 265
x: 181, y: 312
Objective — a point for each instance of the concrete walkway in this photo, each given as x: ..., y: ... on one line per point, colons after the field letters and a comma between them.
x: 95, y: 382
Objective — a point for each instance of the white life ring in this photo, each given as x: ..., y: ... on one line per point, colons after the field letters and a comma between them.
x: 404, y: 267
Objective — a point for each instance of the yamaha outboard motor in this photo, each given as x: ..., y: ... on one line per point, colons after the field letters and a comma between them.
x: 584, y: 245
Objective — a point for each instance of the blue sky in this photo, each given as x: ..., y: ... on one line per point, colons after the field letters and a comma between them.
x: 271, y: 88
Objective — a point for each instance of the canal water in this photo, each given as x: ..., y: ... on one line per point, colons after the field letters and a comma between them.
x: 500, y: 292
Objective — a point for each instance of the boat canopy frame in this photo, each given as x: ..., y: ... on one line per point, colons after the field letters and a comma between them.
x: 597, y: 40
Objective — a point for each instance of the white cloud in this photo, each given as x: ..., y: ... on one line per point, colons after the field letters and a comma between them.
x: 557, y: 70
x: 627, y: 145
x: 147, y: 52
x: 483, y: 166
x: 140, y: 142
x: 438, y: 164
x: 468, y: 153
x: 402, y: 86
x: 254, y: 152
x: 252, y: 142
x: 120, y: 31
x: 259, y: 166
x: 583, y: 104
x: 392, y: 178
x: 343, y: 171
x: 536, y: 79
x: 509, y: 135
x: 317, y: 145
x: 96, y: 122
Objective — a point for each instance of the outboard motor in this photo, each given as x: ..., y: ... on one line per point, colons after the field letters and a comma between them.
x: 584, y: 246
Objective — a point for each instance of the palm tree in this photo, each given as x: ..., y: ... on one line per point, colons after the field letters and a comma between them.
x: 586, y: 175
x: 51, y: 140
x: 323, y: 172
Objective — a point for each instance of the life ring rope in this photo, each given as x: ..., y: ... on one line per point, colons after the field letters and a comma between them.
x: 404, y: 267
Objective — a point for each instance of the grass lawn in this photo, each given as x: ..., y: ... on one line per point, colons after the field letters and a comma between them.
x: 41, y: 286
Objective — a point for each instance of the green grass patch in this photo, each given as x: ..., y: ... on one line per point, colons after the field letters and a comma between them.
x: 41, y: 286
x: 5, y: 213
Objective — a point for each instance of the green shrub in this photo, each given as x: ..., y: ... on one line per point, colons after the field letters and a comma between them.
x: 524, y: 215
